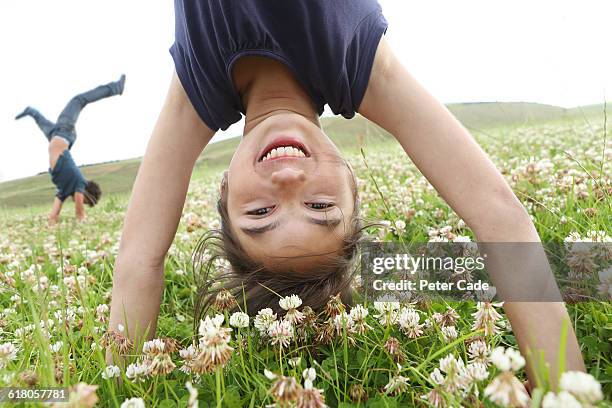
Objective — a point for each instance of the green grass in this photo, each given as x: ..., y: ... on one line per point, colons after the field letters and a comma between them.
x: 64, y: 273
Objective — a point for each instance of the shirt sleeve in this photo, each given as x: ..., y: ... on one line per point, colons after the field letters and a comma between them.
x: 187, y: 77
x: 361, y: 53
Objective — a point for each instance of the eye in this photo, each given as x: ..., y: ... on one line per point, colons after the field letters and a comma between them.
x: 320, y: 206
x: 260, y: 211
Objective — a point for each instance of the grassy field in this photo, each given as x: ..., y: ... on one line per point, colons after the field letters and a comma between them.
x: 55, y: 288
x: 349, y: 135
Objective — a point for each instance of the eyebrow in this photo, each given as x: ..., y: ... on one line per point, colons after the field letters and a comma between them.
x: 329, y: 222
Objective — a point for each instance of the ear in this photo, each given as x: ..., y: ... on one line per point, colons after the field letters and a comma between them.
x: 223, y: 185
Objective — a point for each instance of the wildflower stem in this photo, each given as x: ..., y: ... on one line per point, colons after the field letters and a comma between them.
x: 280, y: 360
x: 345, y: 356
x: 241, y: 352
x: 336, y: 367
x: 218, y: 385
x: 562, y: 351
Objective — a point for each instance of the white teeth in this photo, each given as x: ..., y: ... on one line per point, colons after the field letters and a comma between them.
x: 284, y: 151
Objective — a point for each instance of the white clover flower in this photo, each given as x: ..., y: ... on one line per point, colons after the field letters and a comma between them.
x: 358, y: 315
x: 445, y: 229
x: 449, y: 333
x: 210, y: 326
x: 358, y: 312
x: 111, y: 371
x: 281, y: 333
x: 82, y: 395
x: 342, y: 320
x: 264, y: 319
x: 120, y: 328
x: 155, y: 346
x: 400, y: 225
x: 455, y: 374
x: 499, y: 358
x: 581, y: 385
x: 136, y: 372
x: 487, y: 318
x: 188, y: 353
x: 408, y: 320
x: 57, y: 346
x: 213, y: 345
x: 516, y: 359
x: 605, y: 287
x: 309, y: 375
x: 397, y: 385
x: 8, y: 377
x: 562, y: 400
x: 507, y: 359
x: 133, y: 403
x: 290, y: 302
x: 478, y: 352
x: 218, y: 320
x: 8, y: 353
x: 239, y: 320
x: 102, y: 309
x: 388, y: 309
x: 269, y: 374
x: 477, y: 372
x: 507, y: 391
x: 386, y: 303
x: 193, y: 395
x: 70, y: 282
x: 436, y: 376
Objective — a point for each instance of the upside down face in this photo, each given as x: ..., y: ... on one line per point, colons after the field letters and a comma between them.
x: 290, y: 195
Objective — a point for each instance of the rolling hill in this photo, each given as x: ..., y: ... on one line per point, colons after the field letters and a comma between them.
x: 349, y: 135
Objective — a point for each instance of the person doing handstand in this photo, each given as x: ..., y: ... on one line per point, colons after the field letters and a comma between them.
x: 61, y: 136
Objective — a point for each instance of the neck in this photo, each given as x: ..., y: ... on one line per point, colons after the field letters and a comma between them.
x: 268, y: 88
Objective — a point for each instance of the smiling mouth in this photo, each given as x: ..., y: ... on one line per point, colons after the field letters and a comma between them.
x: 283, y: 149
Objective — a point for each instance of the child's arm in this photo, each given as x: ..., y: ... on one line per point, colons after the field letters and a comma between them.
x: 153, y: 213
x: 465, y: 177
x: 79, y: 206
x: 55, y: 211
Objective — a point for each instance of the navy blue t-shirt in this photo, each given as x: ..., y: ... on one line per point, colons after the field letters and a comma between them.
x: 67, y: 177
x: 328, y: 44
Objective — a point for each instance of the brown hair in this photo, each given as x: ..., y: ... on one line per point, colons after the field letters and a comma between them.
x: 92, y: 193
x: 256, y: 287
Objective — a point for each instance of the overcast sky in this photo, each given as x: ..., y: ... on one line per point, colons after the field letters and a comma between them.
x: 548, y: 51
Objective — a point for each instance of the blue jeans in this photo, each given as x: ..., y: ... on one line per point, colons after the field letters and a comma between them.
x: 65, y: 125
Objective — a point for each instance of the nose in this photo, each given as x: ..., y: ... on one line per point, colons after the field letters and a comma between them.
x: 288, y: 177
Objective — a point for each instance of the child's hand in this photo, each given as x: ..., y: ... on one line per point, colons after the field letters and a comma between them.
x: 53, y: 220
